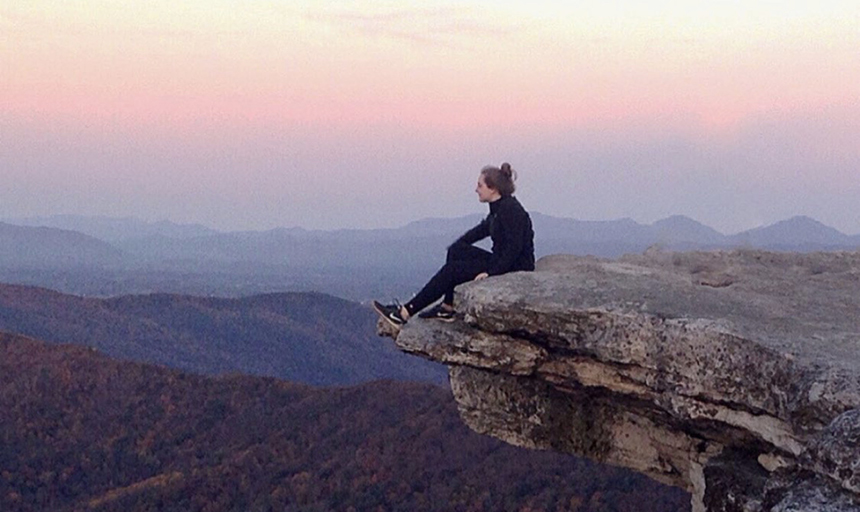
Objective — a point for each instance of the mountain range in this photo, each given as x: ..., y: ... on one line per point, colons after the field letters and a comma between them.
x: 137, y: 257
x: 134, y: 236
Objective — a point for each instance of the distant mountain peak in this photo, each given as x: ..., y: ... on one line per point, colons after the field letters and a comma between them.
x: 681, y: 228
x: 677, y: 219
x: 796, y: 231
x: 49, y: 247
x: 800, y: 222
x: 804, y: 220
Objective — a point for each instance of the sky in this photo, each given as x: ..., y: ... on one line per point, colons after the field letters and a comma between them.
x: 365, y: 114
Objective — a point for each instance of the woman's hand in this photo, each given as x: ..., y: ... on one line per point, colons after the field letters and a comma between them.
x: 482, y: 275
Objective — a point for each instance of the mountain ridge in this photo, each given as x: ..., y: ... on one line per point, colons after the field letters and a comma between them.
x: 53, y: 247
x: 114, y: 229
x: 303, y: 337
x: 136, y: 228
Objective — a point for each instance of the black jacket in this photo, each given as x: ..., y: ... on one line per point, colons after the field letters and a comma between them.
x: 510, y: 228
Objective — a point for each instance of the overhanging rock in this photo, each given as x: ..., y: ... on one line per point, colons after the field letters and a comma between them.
x: 733, y: 375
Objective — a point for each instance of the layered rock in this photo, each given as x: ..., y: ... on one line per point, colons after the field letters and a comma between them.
x: 733, y: 375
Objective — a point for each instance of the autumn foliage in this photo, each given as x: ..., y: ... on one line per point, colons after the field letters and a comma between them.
x: 80, y: 431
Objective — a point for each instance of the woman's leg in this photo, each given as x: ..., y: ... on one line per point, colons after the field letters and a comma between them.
x: 467, y: 252
x: 463, y: 266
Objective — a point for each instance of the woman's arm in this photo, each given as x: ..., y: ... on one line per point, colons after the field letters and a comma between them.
x: 479, y: 232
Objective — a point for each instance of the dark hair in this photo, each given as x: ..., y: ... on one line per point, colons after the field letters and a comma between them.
x: 500, y: 178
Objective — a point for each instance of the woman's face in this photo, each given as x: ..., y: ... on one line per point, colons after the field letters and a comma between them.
x: 485, y: 193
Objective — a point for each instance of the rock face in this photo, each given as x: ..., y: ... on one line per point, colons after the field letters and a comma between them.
x: 734, y: 375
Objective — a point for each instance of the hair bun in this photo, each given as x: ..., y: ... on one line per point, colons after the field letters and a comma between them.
x: 500, y: 178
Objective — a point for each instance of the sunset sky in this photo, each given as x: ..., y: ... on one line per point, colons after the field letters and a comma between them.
x: 323, y: 114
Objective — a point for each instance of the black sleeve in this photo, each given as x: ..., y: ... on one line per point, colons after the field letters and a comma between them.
x: 479, y: 232
x: 511, y: 226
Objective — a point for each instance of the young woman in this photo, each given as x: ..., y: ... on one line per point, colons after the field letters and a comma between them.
x: 510, y: 228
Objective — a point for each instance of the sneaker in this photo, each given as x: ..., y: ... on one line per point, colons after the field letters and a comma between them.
x: 438, y: 312
x: 390, y: 312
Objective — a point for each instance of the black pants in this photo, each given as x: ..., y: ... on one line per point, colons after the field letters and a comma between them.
x: 463, y: 263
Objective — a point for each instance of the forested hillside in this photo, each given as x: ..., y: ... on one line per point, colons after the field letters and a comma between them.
x: 302, y: 337
x: 80, y: 431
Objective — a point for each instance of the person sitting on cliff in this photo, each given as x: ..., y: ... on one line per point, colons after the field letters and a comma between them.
x: 510, y: 229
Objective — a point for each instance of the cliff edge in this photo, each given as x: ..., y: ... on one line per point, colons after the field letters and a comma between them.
x: 733, y: 375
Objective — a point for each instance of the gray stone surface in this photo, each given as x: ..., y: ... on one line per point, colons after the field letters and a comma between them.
x: 679, y: 365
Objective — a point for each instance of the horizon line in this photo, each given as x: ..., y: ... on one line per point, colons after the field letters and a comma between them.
x: 130, y: 218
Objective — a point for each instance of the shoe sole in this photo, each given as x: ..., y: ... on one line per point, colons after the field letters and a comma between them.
x: 446, y: 319
x: 381, y: 313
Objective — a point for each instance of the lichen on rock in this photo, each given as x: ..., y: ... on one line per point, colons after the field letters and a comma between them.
x: 692, y: 368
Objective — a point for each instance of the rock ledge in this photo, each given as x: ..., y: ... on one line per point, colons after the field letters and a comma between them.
x: 733, y: 375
